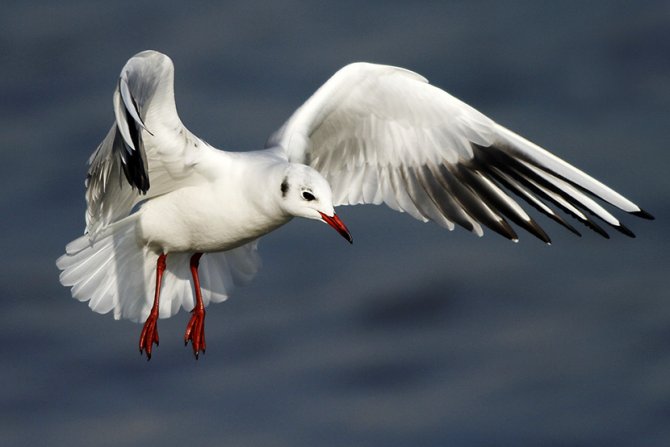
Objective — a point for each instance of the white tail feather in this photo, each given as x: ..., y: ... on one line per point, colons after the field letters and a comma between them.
x: 114, y: 272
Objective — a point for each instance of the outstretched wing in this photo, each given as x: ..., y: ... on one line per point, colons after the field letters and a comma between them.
x: 147, y: 151
x: 384, y: 134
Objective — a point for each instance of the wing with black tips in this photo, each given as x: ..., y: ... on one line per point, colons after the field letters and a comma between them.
x: 147, y: 151
x: 383, y: 134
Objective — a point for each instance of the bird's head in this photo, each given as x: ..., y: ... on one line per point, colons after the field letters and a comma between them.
x: 305, y: 193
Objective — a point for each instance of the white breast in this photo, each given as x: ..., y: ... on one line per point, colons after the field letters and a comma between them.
x: 213, y: 216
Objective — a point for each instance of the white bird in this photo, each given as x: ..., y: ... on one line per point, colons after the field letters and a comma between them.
x: 158, y: 197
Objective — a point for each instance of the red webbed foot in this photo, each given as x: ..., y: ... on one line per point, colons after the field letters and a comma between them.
x: 149, y: 335
x: 195, y: 331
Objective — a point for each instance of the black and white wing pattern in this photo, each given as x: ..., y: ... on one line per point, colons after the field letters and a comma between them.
x: 147, y: 151
x: 384, y: 134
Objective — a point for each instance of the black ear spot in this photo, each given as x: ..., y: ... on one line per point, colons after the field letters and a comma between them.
x: 284, y: 187
x: 308, y: 196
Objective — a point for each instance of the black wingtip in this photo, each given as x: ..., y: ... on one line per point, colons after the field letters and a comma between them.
x: 572, y: 229
x: 625, y: 230
x: 537, y: 231
x: 643, y: 214
x: 595, y: 227
x: 504, y: 229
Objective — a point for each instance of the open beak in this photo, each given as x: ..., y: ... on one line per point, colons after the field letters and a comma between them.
x: 338, y: 225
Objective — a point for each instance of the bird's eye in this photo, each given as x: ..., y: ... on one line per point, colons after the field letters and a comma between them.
x: 308, y: 196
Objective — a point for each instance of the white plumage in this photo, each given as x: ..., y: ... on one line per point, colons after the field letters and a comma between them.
x: 371, y: 134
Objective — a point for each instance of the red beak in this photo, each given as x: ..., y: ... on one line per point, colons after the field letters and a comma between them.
x: 338, y: 225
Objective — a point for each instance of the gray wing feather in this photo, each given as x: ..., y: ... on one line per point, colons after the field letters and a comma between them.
x: 144, y: 152
x: 109, y: 196
x: 384, y: 134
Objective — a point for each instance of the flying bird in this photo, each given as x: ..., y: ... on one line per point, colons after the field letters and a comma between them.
x: 165, y: 208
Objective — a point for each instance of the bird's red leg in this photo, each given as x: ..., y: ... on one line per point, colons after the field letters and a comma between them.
x: 149, y: 334
x: 195, y: 330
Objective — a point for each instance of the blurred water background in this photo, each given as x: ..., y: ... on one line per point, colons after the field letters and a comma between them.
x: 413, y: 336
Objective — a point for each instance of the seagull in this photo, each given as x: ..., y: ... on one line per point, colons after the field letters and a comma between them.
x: 164, y: 207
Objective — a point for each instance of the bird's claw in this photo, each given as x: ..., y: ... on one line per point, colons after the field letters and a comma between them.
x: 149, y: 335
x: 195, y: 332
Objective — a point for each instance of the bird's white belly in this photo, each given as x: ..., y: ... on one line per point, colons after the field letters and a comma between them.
x: 201, y: 219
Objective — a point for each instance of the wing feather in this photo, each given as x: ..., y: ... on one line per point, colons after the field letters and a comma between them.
x: 147, y: 151
x: 384, y: 134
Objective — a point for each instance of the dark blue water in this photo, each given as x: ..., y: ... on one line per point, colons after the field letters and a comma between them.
x: 413, y: 336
